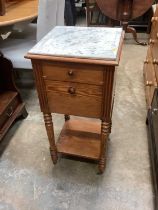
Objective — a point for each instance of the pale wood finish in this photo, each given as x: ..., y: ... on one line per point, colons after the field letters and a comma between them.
x: 18, y: 11
x: 81, y: 87
x: 73, y: 73
x: 151, y: 62
x: 80, y: 138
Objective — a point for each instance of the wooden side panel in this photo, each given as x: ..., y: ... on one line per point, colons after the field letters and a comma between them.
x: 40, y: 85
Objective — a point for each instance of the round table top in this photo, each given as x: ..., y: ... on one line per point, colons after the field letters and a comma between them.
x: 110, y: 8
x: 19, y: 12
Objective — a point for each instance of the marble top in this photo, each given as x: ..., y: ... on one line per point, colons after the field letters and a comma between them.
x: 80, y: 42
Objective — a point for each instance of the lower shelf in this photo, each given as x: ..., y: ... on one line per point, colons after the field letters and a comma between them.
x: 80, y: 138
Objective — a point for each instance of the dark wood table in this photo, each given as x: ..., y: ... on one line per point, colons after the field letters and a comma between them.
x: 124, y: 11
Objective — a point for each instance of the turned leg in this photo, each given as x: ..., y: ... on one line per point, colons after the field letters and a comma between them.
x: 50, y: 133
x: 133, y: 31
x: 105, y: 130
x: 67, y: 117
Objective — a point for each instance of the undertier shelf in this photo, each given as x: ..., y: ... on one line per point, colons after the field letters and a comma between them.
x: 80, y: 138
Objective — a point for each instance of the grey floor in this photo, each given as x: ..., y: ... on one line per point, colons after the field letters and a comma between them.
x: 29, y: 181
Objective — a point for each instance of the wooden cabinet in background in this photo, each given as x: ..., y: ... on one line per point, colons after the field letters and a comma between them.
x: 11, y: 105
x: 151, y: 62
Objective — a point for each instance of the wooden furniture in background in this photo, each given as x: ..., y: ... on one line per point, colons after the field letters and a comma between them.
x: 124, y: 11
x: 11, y: 105
x: 18, y: 11
x: 151, y: 62
x: 151, y: 92
x: 96, y: 18
x: 80, y: 86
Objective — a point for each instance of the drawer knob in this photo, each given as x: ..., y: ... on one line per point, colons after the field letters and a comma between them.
x: 71, y: 90
x: 146, y: 61
x: 149, y: 83
x: 155, y: 61
x: 154, y: 19
x: 151, y: 41
x: 70, y: 73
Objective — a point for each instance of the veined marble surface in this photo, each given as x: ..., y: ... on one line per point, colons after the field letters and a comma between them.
x: 80, y: 42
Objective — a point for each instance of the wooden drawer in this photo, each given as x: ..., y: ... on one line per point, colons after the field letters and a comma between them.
x: 149, y: 92
x: 89, y: 74
x: 149, y: 72
x: 154, y: 28
x: 74, y: 98
x: 11, y: 99
x: 149, y: 78
x: 155, y: 64
x: 154, y: 35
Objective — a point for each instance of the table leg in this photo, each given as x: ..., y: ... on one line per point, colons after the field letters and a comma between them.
x: 50, y: 133
x: 105, y: 130
x: 134, y: 33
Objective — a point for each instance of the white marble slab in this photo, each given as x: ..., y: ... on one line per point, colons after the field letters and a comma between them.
x: 80, y: 42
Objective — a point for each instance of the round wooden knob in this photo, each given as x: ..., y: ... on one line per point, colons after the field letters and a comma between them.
x: 71, y: 90
x: 146, y: 61
x: 70, y: 73
x: 151, y: 41
x: 154, y: 19
x: 155, y: 61
x: 149, y: 83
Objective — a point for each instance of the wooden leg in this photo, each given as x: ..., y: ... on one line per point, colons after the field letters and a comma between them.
x: 67, y: 117
x: 133, y: 31
x: 105, y: 130
x: 50, y: 133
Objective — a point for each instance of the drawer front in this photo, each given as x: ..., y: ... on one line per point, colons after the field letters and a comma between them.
x: 149, y: 71
x: 154, y: 28
x: 8, y: 112
x: 149, y: 78
x: 74, y: 98
x: 89, y: 74
x: 149, y: 92
x: 155, y: 64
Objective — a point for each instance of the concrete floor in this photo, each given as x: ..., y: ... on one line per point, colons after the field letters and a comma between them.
x: 29, y: 181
